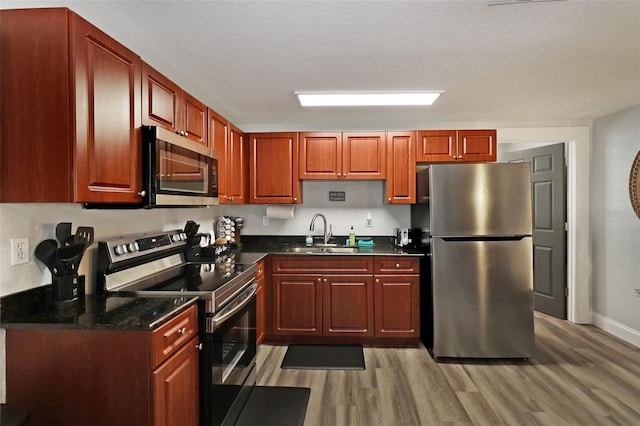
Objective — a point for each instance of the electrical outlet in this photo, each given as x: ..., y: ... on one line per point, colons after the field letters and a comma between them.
x: 265, y: 220
x: 368, y: 223
x: 19, y: 251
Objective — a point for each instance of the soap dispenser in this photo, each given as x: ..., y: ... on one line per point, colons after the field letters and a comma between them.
x: 352, y: 237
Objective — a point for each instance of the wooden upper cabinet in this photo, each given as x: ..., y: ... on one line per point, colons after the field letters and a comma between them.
x: 477, y: 145
x: 437, y: 145
x: 273, y: 168
x: 456, y: 146
x: 166, y: 105
x: 71, y: 119
x: 320, y: 155
x: 194, y: 119
x: 237, y: 160
x: 160, y: 99
x: 342, y: 155
x: 401, y: 168
x: 364, y: 155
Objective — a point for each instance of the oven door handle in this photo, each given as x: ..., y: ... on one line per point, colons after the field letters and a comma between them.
x: 228, y: 311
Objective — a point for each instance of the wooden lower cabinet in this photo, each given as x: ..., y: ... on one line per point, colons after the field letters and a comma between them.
x: 175, y: 383
x: 327, y: 297
x: 66, y: 376
x: 347, y: 306
x: 397, y: 305
x: 397, y: 296
x: 261, y: 311
x: 297, y: 305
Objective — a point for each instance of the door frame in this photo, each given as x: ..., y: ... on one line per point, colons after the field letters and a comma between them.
x: 577, y: 142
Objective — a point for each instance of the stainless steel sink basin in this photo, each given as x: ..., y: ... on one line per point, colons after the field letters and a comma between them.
x: 342, y: 250
x: 324, y: 249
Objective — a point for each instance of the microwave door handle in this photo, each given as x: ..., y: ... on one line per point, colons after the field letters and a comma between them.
x: 231, y: 310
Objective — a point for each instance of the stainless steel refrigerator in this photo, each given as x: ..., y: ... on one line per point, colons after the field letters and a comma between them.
x: 479, y: 219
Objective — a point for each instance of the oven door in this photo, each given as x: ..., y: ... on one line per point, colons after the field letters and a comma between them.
x: 229, y: 357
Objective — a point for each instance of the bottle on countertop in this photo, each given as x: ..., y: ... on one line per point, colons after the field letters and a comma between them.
x: 352, y: 237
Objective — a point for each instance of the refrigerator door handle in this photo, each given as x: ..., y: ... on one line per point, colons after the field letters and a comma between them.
x: 485, y: 238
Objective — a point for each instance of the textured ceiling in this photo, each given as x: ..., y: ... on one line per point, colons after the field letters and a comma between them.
x: 536, y: 63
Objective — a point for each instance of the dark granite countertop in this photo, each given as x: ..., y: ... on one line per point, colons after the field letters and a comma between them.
x: 283, y: 245
x: 33, y: 309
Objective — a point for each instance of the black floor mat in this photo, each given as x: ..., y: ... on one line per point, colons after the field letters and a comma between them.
x: 275, y: 406
x: 324, y: 357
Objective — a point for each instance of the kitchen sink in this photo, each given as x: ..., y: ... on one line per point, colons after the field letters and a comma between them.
x: 324, y: 249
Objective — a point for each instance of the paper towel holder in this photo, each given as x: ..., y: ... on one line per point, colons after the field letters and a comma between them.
x: 279, y: 211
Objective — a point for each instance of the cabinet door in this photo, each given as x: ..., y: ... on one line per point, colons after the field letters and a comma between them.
x: 219, y: 140
x: 297, y: 304
x: 397, y: 306
x: 363, y: 155
x: 401, y: 168
x: 347, y: 305
x: 436, y: 146
x: 35, y: 154
x: 261, y: 312
x: 107, y: 105
x: 194, y: 119
x: 237, y: 166
x: 176, y: 388
x: 320, y: 155
x: 273, y: 168
x: 160, y: 97
x: 477, y: 145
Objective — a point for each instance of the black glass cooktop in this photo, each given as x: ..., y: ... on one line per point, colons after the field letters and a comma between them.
x: 201, y: 277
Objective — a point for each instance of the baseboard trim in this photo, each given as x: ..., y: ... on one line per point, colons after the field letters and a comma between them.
x: 619, y: 330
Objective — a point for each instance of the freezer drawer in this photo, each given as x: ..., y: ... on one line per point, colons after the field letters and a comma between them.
x: 483, y: 298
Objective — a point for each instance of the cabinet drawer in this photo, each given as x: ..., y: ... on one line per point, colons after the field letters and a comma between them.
x: 168, y: 338
x: 320, y: 264
x: 397, y: 265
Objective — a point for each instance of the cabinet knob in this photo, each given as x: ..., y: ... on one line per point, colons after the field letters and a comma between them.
x: 389, y: 198
x: 259, y: 270
x: 325, y: 280
x: 295, y: 198
x: 459, y: 156
x: 397, y: 265
x: 142, y: 193
x: 377, y: 280
x: 182, y: 331
x: 199, y: 346
x: 319, y: 280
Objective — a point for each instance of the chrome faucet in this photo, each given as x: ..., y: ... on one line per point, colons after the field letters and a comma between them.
x: 326, y: 235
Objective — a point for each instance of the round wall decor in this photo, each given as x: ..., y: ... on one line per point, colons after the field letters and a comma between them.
x: 634, y: 185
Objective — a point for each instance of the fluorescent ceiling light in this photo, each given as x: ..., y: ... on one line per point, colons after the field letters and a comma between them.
x: 409, y: 98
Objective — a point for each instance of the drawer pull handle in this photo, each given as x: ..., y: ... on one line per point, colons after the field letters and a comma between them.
x: 182, y: 331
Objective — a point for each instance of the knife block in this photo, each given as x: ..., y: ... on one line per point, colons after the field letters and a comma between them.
x: 66, y: 290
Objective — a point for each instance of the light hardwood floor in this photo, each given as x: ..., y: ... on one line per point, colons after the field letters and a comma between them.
x: 579, y: 375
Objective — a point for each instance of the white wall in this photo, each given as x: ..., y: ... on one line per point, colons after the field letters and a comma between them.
x: 614, y: 226
x: 361, y: 199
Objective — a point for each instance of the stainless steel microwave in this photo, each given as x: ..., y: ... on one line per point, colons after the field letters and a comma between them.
x: 177, y: 171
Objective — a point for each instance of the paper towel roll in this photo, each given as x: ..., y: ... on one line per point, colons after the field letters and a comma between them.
x: 279, y: 212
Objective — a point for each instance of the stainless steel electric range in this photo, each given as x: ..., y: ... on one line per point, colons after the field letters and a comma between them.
x: 155, y: 264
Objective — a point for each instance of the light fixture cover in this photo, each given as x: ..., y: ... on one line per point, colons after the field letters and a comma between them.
x: 395, y: 98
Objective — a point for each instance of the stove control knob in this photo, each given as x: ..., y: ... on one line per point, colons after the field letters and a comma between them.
x: 120, y: 250
x: 183, y: 236
x: 175, y: 237
x: 133, y: 247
